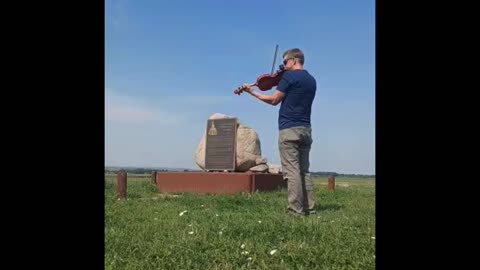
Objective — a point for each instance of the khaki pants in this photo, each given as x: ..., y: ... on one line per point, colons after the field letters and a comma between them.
x: 294, y: 145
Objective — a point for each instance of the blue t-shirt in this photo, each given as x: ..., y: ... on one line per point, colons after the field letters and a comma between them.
x: 299, y: 88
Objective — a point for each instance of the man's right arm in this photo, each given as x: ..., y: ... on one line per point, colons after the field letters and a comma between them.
x: 274, y: 99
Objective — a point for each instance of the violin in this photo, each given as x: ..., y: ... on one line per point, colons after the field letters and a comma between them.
x: 266, y: 81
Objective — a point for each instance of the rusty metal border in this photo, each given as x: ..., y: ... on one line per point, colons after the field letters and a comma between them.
x: 218, y: 182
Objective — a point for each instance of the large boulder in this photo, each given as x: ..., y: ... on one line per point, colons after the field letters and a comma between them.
x: 274, y: 168
x: 248, y: 148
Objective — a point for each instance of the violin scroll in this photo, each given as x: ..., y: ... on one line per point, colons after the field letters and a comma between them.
x: 240, y: 89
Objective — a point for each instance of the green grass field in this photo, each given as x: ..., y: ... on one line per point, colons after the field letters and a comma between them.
x: 241, y: 231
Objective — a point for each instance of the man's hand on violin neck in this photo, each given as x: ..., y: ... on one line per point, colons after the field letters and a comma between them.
x: 247, y: 88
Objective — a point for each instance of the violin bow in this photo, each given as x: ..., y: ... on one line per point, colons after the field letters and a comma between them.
x: 273, y: 65
x: 274, y: 58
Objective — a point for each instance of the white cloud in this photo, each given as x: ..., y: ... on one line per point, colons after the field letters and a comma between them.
x: 122, y: 108
x: 167, y: 110
x: 116, y: 13
x: 126, y: 113
x: 206, y: 100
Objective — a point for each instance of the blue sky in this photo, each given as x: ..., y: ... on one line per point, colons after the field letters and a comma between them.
x: 169, y: 65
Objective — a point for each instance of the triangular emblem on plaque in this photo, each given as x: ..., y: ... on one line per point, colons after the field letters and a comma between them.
x: 212, y: 131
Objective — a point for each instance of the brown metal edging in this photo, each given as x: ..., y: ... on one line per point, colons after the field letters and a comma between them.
x: 331, y: 183
x: 122, y: 185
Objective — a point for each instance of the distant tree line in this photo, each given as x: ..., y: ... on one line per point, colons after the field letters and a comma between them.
x: 341, y: 174
x: 150, y: 171
x: 139, y: 170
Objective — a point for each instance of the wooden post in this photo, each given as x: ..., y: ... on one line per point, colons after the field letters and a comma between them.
x: 122, y: 185
x: 154, y: 177
x: 331, y: 182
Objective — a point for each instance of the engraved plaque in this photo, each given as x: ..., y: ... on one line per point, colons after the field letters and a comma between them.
x: 220, y: 144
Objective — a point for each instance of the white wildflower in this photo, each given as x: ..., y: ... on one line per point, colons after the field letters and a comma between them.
x: 216, y: 215
x: 183, y: 212
x: 273, y: 252
x: 249, y: 258
x: 259, y: 221
x: 190, y: 232
x: 220, y: 232
x: 244, y: 252
x: 242, y: 246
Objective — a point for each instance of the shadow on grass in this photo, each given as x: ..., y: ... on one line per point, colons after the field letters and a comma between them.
x: 328, y: 207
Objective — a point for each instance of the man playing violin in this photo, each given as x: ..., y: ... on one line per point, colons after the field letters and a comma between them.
x: 296, y: 92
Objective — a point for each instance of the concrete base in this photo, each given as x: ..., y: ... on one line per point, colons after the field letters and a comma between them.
x: 218, y: 182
